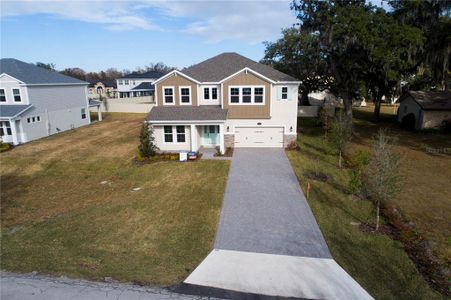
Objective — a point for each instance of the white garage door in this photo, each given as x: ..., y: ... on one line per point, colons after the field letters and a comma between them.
x: 259, y: 137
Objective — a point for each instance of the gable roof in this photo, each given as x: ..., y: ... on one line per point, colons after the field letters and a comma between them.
x: 150, y: 75
x: 223, y: 65
x: 31, y: 74
x: 432, y: 100
x: 187, y: 113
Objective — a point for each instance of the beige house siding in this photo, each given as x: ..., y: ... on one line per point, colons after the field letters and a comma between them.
x: 176, y: 81
x: 247, y: 111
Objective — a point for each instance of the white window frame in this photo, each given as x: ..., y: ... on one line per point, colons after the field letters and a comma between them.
x: 210, y: 93
x: 126, y: 82
x: 190, y: 95
x: 120, y: 82
x: 252, y: 87
x: 282, y: 93
x: 14, y: 95
x: 85, y: 113
x: 174, y: 135
x: 164, y: 95
x: 4, y: 95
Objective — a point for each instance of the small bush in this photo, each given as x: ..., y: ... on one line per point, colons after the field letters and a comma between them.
x: 293, y: 146
x: 446, y: 126
x: 4, y: 147
x: 358, y: 163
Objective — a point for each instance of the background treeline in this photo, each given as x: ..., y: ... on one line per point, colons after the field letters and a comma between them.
x: 356, y: 49
x: 110, y: 74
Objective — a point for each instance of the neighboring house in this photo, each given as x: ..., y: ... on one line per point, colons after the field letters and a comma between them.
x: 137, y: 84
x: 36, y: 102
x: 225, y: 101
x: 422, y: 110
x: 97, y: 89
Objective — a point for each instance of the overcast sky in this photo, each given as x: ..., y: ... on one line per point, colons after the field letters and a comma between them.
x: 96, y: 35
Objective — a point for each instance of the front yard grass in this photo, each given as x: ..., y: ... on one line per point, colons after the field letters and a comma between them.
x: 377, y: 262
x: 68, y: 207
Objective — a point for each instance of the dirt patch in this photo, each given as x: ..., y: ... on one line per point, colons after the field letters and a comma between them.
x: 316, y: 176
x: 383, y: 229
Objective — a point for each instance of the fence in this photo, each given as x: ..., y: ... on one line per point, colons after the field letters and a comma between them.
x: 128, y: 105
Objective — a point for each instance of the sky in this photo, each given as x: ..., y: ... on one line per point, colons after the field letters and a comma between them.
x: 99, y: 34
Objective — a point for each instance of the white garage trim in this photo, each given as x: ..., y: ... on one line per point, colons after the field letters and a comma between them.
x: 259, y: 136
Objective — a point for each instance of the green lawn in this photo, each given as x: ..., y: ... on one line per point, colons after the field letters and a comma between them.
x: 378, y: 263
x: 58, y: 218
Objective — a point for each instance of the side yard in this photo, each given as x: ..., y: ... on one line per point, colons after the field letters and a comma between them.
x: 377, y: 262
x: 73, y: 204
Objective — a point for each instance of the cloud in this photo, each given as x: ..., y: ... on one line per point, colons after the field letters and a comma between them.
x: 214, y: 21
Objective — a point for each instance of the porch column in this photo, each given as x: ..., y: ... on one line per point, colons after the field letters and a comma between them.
x: 99, y: 113
x: 221, y: 138
x: 193, y: 137
x: 12, y: 123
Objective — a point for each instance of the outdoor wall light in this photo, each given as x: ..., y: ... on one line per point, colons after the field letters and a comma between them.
x: 291, y: 128
x: 228, y: 128
x: 259, y: 123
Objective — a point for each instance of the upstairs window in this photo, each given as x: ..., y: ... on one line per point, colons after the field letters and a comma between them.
x: 185, y: 95
x: 169, y: 95
x: 234, y: 95
x: 16, y: 95
x: 284, y: 93
x: 126, y: 82
x: 207, y: 93
x: 247, y: 95
x: 2, y: 95
x: 120, y: 82
x: 214, y: 93
x: 258, y: 95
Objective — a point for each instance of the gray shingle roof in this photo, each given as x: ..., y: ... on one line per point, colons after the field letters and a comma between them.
x: 31, y: 74
x: 150, y: 74
x: 9, y: 111
x: 187, y: 113
x: 434, y: 100
x: 148, y: 86
x: 223, y: 65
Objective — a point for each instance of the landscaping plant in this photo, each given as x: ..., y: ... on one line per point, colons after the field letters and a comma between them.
x: 147, y: 146
x: 381, y: 177
x: 340, y: 134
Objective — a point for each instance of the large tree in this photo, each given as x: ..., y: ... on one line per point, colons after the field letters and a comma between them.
x: 299, y: 54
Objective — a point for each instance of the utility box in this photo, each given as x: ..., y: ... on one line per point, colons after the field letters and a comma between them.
x: 183, y: 156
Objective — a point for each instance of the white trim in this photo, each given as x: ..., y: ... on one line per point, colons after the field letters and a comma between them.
x: 288, y: 82
x: 19, y: 113
x: 14, y: 96
x: 20, y: 81
x: 240, y: 100
x: 210, y: 93
x: 175, y: 72
x: 174, y: 135
x: 50, y: 84
x: 190, y: 95
x: 164, y: 95
x: 212, y: 122
x: 246, y: 69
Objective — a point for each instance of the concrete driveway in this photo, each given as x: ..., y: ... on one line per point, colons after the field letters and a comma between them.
x: 264, y: 209
x: 268, y: 244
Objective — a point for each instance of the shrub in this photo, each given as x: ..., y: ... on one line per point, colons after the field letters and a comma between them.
x: 293, y: 146
x: 358, y: 163
x: 446, y: 126
x: 340, y: 134
x: 147, y: 147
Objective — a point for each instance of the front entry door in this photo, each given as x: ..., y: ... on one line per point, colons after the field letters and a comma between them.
x: 211, y: 135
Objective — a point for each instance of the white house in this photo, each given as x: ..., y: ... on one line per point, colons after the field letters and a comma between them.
x: 137, y: 84
x: 36, y: 102
x: 226, y: 101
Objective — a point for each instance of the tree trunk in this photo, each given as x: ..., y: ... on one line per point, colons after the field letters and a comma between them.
x: 339, y: 159
x: 377, y: 215
x: 377, y: 107
x: 304, y: 98
x: 347, y: 102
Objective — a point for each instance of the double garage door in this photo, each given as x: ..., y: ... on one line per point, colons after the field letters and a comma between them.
x: 259, y: 137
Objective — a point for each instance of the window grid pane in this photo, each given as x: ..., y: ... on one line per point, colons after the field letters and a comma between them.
x: 2, y: 95
x: 214, y: 93
x: 234, y: 95
x: 247, y: 95
x: 206, y: 93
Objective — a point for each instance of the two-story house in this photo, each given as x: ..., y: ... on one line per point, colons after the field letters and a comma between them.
x: 137, y: 84
x: 226, y: 101
x: 36, y: 102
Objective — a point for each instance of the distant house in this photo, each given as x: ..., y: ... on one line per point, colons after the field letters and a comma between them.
x: 137, y: 84
x: 97, y: 89
x: 422, y: 110
x: 36, y: 102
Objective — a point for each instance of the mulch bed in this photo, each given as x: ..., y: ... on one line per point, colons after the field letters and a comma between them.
x: 316, y: 176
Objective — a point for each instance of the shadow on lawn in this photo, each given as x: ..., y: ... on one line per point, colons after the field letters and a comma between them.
x: 12, y: 185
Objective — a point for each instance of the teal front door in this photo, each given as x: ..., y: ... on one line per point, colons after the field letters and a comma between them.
x: 211, y: 135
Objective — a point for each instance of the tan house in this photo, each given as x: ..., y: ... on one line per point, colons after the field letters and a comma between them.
x: 423, y: 110
x: 104, y: 89
x: 225, y: 101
